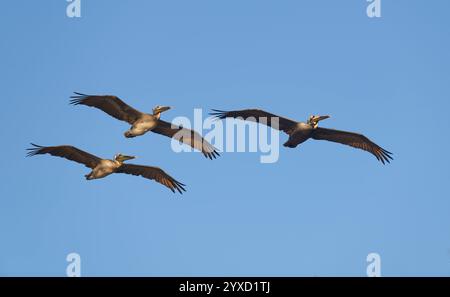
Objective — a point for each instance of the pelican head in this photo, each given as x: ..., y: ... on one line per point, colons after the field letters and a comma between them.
x: 315, y: 119
x: 160, y: 109
x: 122, y: 158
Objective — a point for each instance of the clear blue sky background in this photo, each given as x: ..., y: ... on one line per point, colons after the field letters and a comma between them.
x: 319, y: 211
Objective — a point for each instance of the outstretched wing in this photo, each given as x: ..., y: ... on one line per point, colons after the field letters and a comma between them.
x: 188, y: 137
x: 112, y: 105
x: 353, y: 139
x: 66, y: 151
x: 256, y: 115
x: 153, y: 173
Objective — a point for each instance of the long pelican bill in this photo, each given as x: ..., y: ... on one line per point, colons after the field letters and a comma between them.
x: 123, y: 158
x: 321, y: 118
x: 161, y: 109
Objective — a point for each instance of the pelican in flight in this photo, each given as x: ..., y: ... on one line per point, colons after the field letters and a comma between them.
x: 103, y: 167
x: 141, y: 122
x: 299, y: 132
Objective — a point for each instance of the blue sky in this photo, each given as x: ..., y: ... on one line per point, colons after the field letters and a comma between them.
x: 319, y: 211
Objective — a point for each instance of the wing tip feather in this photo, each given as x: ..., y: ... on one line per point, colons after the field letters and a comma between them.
x: 35, y: 150
x: 78, y: 98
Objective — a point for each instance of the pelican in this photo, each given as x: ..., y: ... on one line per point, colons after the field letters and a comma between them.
x: 299, y: 132
x: 141, y: 122
x: 103, y: 167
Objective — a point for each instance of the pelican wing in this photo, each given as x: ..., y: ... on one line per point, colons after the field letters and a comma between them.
x: 153, y: 173
x: 355, y: 140
x: 66, y: 151
x: 256, y: 115
x: 112, y: 105
x: 188, y: 137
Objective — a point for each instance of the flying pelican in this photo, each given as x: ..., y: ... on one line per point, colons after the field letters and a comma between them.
x: 299, y: 132
x: 103, y: 167
x: 141, y: 122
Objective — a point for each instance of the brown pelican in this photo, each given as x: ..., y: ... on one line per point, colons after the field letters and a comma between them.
x: 141, y: 122
x: 299, y: 132
x: 102, y: 167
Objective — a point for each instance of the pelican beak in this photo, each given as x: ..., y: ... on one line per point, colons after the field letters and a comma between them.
x: 126, y: 158
x: 321, y: 118
x: 163, y: 109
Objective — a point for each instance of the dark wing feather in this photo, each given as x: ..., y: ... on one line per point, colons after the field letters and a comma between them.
x: 188, y: 137
x: 66, y: 151
x: 353, y: 139
x: 112, y: 105
x: 256, y: 115
x: 153, y: 173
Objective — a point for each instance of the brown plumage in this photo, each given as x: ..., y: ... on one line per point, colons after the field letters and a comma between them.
x: 256, y: 115
x: 299, y: 132
x: 142, y: 123
x: 104, y: 167
x: 353, y: 139
x: 188, y: 137
x: 112, y: 105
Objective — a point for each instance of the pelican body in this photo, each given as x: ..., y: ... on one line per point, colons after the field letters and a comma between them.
x: 146, y: 122
x: 299, y: 132
x: 141, y: 123
x: 103, y: 167
x: 106, y: 167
